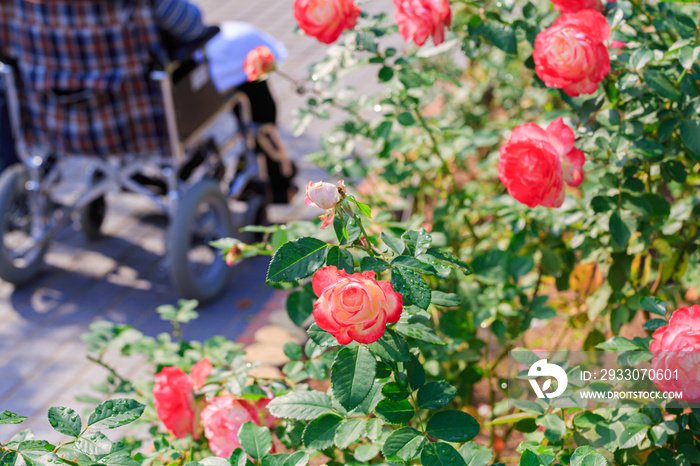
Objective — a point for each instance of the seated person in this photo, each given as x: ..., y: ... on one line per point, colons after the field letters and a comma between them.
x: 226, y: 52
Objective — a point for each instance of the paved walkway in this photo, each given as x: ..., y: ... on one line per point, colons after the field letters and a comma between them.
x: 122, y: 277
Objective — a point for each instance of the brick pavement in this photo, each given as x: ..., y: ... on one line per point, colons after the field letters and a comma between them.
x: 122, y: 276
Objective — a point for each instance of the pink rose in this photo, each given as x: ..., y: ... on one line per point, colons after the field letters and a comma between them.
x: 354, y: 307
x: 535, y: 163
x: 258, y: 63
x: 173, y: 398
x: 676, y: 347
x: 420, y: 19
x: 572, y: 6
x: 571, y: 54
x: 325, y: 19
x: 618, y: 44
x: 222, y: 419
x: 324, y: 196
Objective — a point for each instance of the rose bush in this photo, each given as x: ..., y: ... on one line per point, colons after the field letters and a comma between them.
x: 480, y: 272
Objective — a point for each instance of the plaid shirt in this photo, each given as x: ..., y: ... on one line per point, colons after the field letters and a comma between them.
x: 83, y: 74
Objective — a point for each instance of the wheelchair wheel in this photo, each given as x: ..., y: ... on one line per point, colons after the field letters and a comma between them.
x: 21, y: 256
x: 92, y: 215
x: 197, y: 270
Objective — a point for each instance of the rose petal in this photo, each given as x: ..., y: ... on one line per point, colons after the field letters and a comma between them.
x: 325, y: 277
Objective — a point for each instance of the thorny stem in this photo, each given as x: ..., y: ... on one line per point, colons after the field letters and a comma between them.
x: 112, y: 371
x: 370, y: 249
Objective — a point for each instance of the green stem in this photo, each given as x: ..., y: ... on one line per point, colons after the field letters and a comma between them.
x: 436, y: 149
x: 370, y: 249
x: 112, y: 371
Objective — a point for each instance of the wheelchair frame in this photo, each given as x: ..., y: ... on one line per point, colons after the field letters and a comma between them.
x: 115, y: 173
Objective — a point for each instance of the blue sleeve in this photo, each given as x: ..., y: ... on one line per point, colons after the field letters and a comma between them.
x: 180, y: 18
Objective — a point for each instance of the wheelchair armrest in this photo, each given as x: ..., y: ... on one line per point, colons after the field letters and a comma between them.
x: 180, y: 51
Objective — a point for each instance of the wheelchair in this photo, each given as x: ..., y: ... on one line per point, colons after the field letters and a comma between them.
x: 193, y: 185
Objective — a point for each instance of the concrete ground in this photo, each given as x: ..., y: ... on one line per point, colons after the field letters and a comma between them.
x: 122, y: 277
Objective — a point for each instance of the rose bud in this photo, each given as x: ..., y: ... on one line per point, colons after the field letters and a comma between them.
x: 259, y: 63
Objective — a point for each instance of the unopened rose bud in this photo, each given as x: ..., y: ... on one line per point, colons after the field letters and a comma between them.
x: 234, y: 254
x: 322, y: 195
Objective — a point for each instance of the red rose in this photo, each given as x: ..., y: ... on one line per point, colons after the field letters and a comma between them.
x: 354, y: 307
x: 199, y: 373
x: 325, y: 19
x: 420, y: 19
x: 258, y: 63
x: 572, y: 6
x: 173, y: 398
x: 571, y: 55
x: 676, y: 347
x: 535, y: 164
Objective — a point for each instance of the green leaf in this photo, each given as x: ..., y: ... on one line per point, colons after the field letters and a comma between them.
x: 320, y: 432
x: 65, y: 421
x: 587, y: 456
x: 414, y: 264
x: 297, y: 259
x: 256, y: 441
x: 632, y: 436
x: 364, y: 453
x: 618, y: 344
x: 115, y: 413
x: 640, y: 58
x: 690, y: 135
x: 35, y: 445
x: 394, y: 244
x: 271, y: 460
x: 476, y: 455
x: 412, y: 286
x: 374, y: 264
x: 659, y: 83
x: 419, y: 332
x: 654, y: 305
x: 292, y: 350
x: 445, y: 299
x: 529, y: 458
x: 406, y: 119
x: 385, y: 74
x: 94, y: 443
x: 7, y: 417
x: 301, y: 406
x: 403, y: 445
x: 299, y: 458
x: 239, y: 458
x: 341, y: 259
x: 395, y: 412
x: 441, y: 454
x: 349, y: 431
x: 453, y: 426
x: 363, y: 208
x: 417, y: 242
x: 352, y: 375
x: 450, y: 259
x: 554, y: 427
x: 320, y: 336
x: 502, y: 36
x: 374, y: 428
x: 619, y: 230
x: 435, y: 395
x: 46, y: 459
x: 391, y: 347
